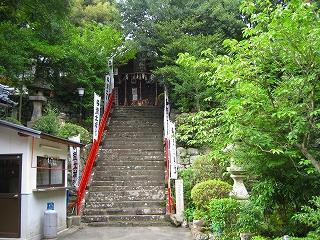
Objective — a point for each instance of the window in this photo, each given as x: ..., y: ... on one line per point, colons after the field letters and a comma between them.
x: 50, y: 172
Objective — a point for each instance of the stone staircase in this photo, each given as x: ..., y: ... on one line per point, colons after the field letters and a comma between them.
x: 128, y: 186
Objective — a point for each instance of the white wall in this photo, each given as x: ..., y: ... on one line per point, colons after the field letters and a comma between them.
x: 33, y: 203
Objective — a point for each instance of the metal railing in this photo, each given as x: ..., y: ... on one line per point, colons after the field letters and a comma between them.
x: 170, y: 152
x: 87, y: 170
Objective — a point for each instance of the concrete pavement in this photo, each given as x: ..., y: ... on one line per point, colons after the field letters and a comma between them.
x: 128, y: 233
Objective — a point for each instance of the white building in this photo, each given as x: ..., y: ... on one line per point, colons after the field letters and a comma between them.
x: 33, y: 172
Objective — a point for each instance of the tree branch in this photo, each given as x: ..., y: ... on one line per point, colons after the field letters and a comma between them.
x: 309, y: 156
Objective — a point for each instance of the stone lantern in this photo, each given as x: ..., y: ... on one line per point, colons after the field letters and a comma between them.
x: 239, y: 190
x: 37, y: 99
x: 238, y: 174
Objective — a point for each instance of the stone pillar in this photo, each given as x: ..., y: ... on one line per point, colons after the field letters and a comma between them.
x: 179, y: 200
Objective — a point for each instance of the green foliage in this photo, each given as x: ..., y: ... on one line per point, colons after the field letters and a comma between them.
x: 189, y: 181
x: 12, y: 120
x: 206, y: 167
x: 70, y: 130
x: 189, y: 213
x: 98, y: 11
x: 196, y: 129
x: 200, y: 214
x: 61, y: 43
x: 258, y: 238
x: 250, y: 218
x: 48, y: 123
x: 310, y: 215
x: 223, y: 216
x: 203, y: 192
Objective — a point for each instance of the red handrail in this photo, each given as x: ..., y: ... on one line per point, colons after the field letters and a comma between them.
x: 87, y: 170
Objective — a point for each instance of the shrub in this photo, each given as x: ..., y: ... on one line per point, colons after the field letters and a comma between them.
x: 206, y: 167
x: 223, y: 215
x: 200, y: 214
x: 188, y: 177
x: 70, y: 129
x: 189, y: 213
x: 48, y: 123
x: 250, y: 218
x: 203, y: 192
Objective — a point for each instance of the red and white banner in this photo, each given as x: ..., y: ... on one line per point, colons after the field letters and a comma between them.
x: 75, y: 161
x: 96, y: 116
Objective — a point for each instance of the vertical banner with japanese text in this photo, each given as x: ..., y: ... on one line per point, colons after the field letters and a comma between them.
x: 75, y: 161
x: 173, y: 151
x: 107, y: 90
x: 96, y: 116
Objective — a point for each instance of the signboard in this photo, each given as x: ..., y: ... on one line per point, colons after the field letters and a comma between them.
x: 75, y: 162
x: 134, y: 94
x: 96, y: 116
x: 173, y: 152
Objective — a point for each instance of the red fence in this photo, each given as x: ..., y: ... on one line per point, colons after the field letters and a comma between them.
x: 87, y: 170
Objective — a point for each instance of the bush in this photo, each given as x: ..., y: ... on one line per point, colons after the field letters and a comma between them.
x: 189, y: 213
x: 223, y: 215
x: 70, y: 129
x: 188, y: 177
x: 48, y: 123
x: 206, y: 167
x: 200, y: 214
x: 203, y: 192
x: 250, y: 218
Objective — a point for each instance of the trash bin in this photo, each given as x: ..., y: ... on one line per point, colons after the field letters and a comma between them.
x: 50, y: 224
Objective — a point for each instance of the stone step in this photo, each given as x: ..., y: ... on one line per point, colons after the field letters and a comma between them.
x: 134, y: 138
x: 131, y: 224
x: 125, y: 155
x: 131, y: 163
x: 123, y: 219
x: 131, y: 152
x: 132, y: 129
x: 135, y: 145
x: 131, y: 168
x: 116, y: 198
x: 136, y: 121
x: 134, y: 172
x: 133, y: 134
x: 129, y: 178
x: 128, y: 182
x: 125, y: 211
x: 153, y: 194
x: 126, y: 188
x: 126, y: 204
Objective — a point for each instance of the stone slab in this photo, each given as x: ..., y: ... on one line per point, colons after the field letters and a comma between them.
x: 128, y: 233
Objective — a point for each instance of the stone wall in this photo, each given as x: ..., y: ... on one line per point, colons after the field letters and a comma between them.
x: 186, y: 156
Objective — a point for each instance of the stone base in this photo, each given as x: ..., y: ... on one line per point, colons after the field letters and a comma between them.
x: 73, y: 221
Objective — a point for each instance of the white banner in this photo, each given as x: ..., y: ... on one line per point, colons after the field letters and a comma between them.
x: 75, y: 162
x: 110, y: 64
x: 173, y: 151
x: 107, y: 90
x: 96, y: 116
